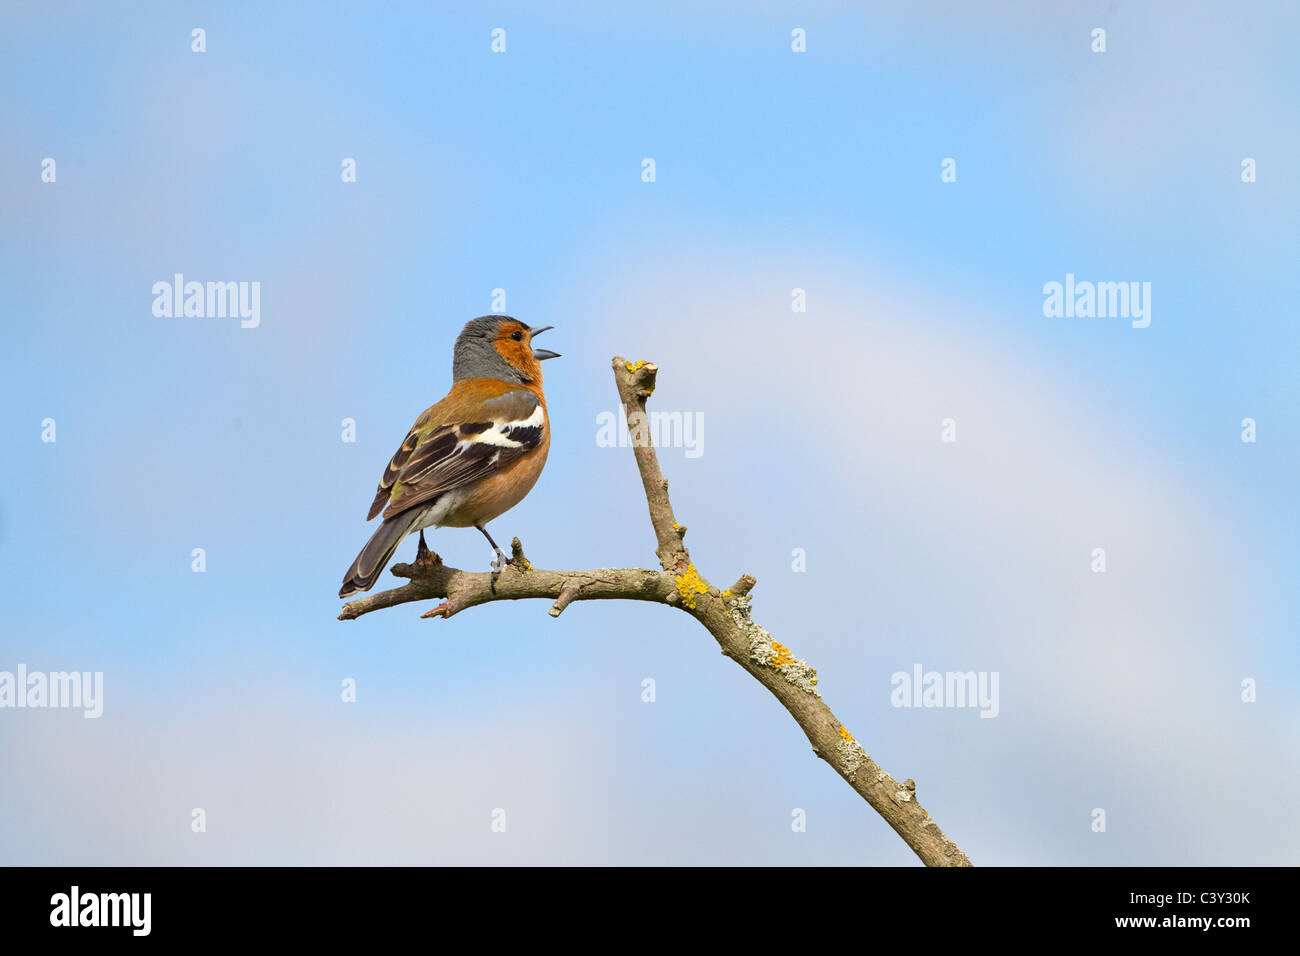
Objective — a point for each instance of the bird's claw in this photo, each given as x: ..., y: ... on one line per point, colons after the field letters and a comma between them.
x: 498, y: 565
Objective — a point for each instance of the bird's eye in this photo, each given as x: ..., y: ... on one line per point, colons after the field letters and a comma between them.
x: 517, y: 335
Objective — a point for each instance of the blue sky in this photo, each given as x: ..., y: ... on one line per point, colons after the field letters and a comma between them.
x: 774, y: 171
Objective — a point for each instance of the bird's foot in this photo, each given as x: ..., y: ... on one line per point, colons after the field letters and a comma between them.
x: 498, y: 565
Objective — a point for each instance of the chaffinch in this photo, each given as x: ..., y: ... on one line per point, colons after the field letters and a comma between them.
x: 473, y: 455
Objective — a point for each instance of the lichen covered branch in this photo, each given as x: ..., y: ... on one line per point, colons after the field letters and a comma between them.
x: 725, y: 614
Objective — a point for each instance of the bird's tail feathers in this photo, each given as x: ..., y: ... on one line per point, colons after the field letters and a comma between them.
x: 374, y: 557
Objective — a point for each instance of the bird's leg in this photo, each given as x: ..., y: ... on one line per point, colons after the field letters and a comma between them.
x: 500, y: 561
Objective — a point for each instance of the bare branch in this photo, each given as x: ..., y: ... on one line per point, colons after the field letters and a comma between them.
x: 430, y: 578
x: 726, y: 615
x: 567, y: 595
x: 743, y: 586
x: 636, y: 383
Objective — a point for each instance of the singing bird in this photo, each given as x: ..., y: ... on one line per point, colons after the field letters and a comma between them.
x: 472, y: 456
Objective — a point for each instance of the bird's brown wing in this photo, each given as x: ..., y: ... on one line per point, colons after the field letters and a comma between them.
x: 400, y: 458
x: 445, y: 449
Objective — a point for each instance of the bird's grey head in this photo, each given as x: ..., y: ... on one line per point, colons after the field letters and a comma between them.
x: 498, y: 346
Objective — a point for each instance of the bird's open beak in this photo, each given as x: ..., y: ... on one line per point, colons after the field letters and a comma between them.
x: 543, y: 354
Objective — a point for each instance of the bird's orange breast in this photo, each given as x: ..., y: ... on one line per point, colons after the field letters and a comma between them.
x: 494, y: 495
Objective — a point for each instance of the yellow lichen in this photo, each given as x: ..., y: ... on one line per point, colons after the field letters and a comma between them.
x: 727, y: 594
x: 782, y: 656
x: 633, y: 366
x: 690, y: 584
x: 844, y: 732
